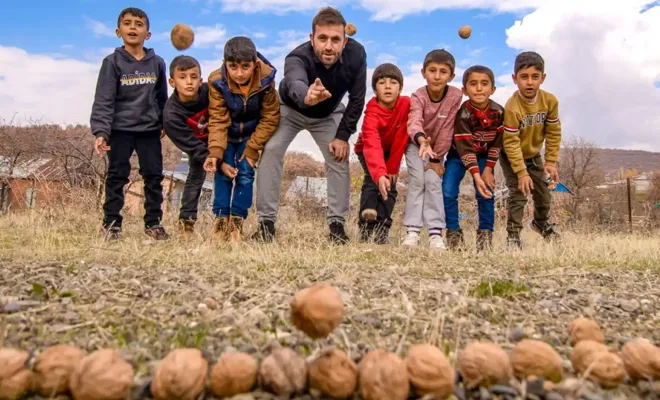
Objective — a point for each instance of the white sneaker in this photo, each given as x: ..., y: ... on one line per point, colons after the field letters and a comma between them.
x: 437, y: 242
x: 411, y: 239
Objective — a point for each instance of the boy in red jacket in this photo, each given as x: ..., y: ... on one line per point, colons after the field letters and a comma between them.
x: 380, y: 147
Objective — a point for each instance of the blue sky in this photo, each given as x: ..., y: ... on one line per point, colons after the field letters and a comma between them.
x: 602, y: 57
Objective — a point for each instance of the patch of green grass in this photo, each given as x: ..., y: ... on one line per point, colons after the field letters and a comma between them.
x: 497, y: 288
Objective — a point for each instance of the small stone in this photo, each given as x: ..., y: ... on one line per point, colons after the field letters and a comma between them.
x: 572, y: 290
x: 630, y: 305
x: 590, y: 396
x: 595, y: 298
x: 210, y: 303
x: 517, y: 334
x: 569, y: 385
x: 553, y: 396
x: 202, y: 307
x: 503, y: 390
x: 546, y: 304
x: 484, y: 394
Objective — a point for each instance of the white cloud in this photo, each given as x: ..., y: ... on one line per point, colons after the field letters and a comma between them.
x: 386, y: 58
x: 259, y: 35
x: 99, y: 28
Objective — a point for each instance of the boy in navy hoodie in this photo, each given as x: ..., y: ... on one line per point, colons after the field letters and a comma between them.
x: 127, y: 116
x: 185, y: 118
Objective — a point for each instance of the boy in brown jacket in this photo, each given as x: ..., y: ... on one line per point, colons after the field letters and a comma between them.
x: 244, y: 112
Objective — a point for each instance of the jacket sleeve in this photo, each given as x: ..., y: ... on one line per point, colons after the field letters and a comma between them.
x: 219, y: 121
x: 496, y: 147
x: 103, y: 108
x: 415, y: 118
x: 183, y: 137
x: 464, y: 142
x: 356, y: 100
x: 373, y: 147
x: 161, y: 91
x: 511, y: 142
x: 270, y: 120
x: 552, y: 133
x: 295, y: 81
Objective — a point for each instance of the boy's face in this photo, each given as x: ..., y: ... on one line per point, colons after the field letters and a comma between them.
x: 328, y: 42
x: 529, y: 81
x: 240, y: 72
x: 387, y: 91
x: 437, y: 76
x: 479, y: 88
x: 133, y: 30
x: 187, y: 83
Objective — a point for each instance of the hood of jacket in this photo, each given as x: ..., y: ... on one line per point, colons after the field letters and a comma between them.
x: 262, y: 77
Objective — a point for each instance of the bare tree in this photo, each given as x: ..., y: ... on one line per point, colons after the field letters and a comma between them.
x: 579, y: 167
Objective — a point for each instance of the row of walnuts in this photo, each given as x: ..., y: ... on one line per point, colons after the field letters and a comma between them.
x: 185, y: 373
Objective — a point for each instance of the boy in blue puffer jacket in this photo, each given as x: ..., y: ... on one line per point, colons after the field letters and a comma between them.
x: 244, y: 112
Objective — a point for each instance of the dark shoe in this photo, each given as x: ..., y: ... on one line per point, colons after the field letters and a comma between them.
x: 547, y: 230
x: 157, y: 232
x: 265, y: 231
x: 366, y: 230
x: 382, y: 235
x: 221, y: 229
x: 513, y: 240
x: 235, y: 229
x: 484, y: 240
x: 454, y: 238
x: 111, y: 233
x: 337, y: 233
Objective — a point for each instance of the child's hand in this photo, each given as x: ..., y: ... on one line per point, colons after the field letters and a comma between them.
x: 393, y: 178
x: 482, y: 187
x: 525, y: 185
x: 425, y: 149
x: 384, y: 186
x: 229, y: 171
x: 489, y: 178
x: 210, y: 165
x: 552, y: 171
x: 437, y: 167
x: 249, y: 161
x: 101, y: 145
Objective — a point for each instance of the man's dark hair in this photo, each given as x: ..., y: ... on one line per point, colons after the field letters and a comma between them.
x: 386, y: 70
x: 240, y: 49
x: 479, y: 69
x: 183, y: 63
x: 328, y: 16
x: 440, y: 56
x: 528, y: 59
x: 133, y: 11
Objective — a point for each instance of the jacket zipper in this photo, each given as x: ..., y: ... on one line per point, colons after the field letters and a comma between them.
x: 245, y: 100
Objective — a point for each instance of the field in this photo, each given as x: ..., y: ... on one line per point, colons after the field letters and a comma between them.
x: 62, y: 284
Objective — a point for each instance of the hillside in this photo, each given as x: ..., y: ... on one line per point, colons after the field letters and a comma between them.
x: 613, y: 159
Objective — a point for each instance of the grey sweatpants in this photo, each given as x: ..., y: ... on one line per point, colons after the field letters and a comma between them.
x: 269, y: 173
x: 424, y: 203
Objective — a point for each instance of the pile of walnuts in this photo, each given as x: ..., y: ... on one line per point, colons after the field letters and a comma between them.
x: 317, y: 311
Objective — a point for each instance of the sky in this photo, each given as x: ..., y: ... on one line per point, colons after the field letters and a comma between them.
x: 602, y: 57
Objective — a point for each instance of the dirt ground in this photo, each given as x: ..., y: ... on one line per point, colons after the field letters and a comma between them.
x: 60, y: 284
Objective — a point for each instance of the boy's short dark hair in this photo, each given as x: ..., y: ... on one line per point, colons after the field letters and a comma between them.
x: 440, y: 56
x: 328, y: 16
x: 479, y: 69
x: 528, y: 59
x: 386, y: 70
x: 240, y: 49
x: 133, y: 11
x: 183, y: 63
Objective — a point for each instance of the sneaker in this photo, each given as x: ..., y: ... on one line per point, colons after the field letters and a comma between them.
x: 157, y: 232
x: 111, y: 233
x: 337, y: 233
x: 454, y: 238
x: 437, y: 242
x: 513, y: 240
x: 547, y: 230
x: 265, y: 232
x: 220, y: 229
x: 411, y: 239
x: 484, y: 240
x: 369, y: 214
x: 235, y: 228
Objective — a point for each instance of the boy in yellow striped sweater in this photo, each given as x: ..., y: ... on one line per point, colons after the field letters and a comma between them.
x: 531, y: 117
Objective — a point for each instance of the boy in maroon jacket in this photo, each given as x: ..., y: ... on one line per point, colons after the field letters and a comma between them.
x: 380, y: 147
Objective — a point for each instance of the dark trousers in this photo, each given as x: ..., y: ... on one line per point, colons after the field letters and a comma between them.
x: 517, y: 200
x: 147, y: 145
x: 192, y: 190
x: 451, y: 184
x: 370, y: 198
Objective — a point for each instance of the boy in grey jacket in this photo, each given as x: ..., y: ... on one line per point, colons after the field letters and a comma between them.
x: 127, y: 116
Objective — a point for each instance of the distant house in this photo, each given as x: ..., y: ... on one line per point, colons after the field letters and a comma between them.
x: 30, y: 183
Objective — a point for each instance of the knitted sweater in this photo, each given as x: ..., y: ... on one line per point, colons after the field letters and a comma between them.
x: 478, y: 133
x: 527, y: 126
x: 434, y: 119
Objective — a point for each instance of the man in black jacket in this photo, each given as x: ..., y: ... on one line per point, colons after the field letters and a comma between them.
x: 185, y: 119
x: 317, y: 75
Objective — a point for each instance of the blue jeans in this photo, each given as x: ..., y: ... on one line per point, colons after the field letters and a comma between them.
x: 224, y: 204
x: 454, y: 173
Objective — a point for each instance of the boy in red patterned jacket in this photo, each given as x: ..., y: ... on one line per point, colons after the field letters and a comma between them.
x: 477, y: 142
x: 380, y: 147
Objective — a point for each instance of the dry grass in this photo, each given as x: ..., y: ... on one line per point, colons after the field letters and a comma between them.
x: 147, y: 297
